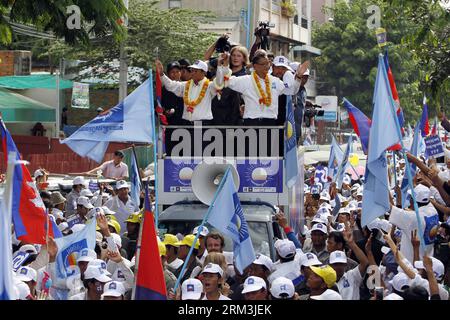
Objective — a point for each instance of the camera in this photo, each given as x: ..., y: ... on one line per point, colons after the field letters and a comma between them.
x: 223, y: 45
x: 263, y: 29
x: 311, y: 110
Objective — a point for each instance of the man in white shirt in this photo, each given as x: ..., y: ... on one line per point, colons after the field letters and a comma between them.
x: 173, y: 262
x: 259, y: 90
x: 197, y: 92
x: 320, y: 281
x: 113, y: 169
x: 406, y: 221
x: 122, y: 204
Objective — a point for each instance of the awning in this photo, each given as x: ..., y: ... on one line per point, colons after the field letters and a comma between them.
x: 274, y: 36
x: 17, y: 108
x: 34, y: 81
x: 219, y: 26
x: 309, y: 49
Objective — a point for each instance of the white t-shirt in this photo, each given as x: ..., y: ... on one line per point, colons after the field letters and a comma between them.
x: 290, y: 270
x: 122, y: 210
x: 406, y: 221
x: 221, y: 297
x: 349, y: 284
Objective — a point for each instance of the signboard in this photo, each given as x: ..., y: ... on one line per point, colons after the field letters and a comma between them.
x: 256, y: 176
x: 80, y: 95
x: 329, y: 105
x: 434, y: 148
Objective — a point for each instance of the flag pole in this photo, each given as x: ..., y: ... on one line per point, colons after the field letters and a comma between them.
x: 133, y: 149
x: 200, y: 228
x: 408, y: 168
x: 155, y: 149
x: 395, y: 168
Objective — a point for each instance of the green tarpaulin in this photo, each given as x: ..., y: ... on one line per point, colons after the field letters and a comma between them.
x: 17, y: 108
x: 35, y: 81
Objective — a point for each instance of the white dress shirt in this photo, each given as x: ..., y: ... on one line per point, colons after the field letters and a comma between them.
x: 203, y: 110
x: 245, y: 86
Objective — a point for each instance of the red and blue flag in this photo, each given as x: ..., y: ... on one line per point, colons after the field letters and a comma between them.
x: 360, y: 122
x: 150, y: 283
x: 28, y: 211
x: 424, y: 124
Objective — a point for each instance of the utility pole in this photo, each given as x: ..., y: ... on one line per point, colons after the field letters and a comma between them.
x: 123, y: 68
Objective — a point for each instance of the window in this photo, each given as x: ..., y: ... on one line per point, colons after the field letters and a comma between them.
x: 304, y: 23
x: 174, y: 4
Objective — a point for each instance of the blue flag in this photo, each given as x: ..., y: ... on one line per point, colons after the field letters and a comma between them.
x: 69, y: 247
x: 344, y: 163
x: 383, y: 134
x: 135, y: 191
x: 336, y: 155
x: 129, y: 121
x: 414, y: 151
x: 227, y: 216
x: 290, y: 145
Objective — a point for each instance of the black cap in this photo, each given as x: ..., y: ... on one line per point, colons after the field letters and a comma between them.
x: 173, y: 64
x: 184, y: 62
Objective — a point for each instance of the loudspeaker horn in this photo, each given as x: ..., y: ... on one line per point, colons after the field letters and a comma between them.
x: 207, y: 177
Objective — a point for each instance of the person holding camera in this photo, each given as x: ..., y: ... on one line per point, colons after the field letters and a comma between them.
x: 260, y: 90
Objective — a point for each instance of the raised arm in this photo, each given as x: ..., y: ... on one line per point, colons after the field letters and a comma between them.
x: 173, y: 86
x: 399, y: 257
x: 362, y: 258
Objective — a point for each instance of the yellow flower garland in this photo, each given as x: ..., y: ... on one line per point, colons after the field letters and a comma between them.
x: 191, y: 104
x: 265, y: 97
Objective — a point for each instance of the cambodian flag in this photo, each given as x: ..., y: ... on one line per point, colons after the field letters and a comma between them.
x: 360, y: 122
x: 434, y: 129
x: 150, y: 283
x: 424, y: 124
x: 398, y: 109
x: 28, y: 211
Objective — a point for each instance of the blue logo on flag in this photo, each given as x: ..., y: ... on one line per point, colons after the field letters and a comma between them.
x: 113, y: 115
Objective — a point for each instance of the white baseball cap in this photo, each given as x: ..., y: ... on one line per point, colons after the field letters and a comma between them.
x: 252, y: 284
x: 84, y: 201
x: 26, y: 274
x: 38, y: 173
x: 422, y: 193
x: 338, y: 257
x: 99, y: 263
x: 327, y: 295
x: 346, y: 180
x: 86, y: 255
x: 121, y: 184
x: 320, y: 227
x: 78, y: 180
x: 107, y: 211
x: 199, y: 64
x: 325, y: 196
x: 282, y: 287
x: 264, y: 261
x: 339, y: 227
x: 326, y: 205
x: 204, y: 232
x: 113, y: 289
x: 212, y: 268
x: 320, y: 218
x: 285, y: 248
x: 23, y: 290
x: 191, y: 289
x: 399, y: 281
x: 281, y: 61
x: 438, y: 267
x: 63, y: 226
x: 393, y: 296
x: 28, y: 248
x: 86, y: 193
x: 309, y: 259
x: 77, y: 227
x: 94, y: 272
x: 294, y: 65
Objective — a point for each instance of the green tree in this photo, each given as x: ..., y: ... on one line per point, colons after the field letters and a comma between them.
x: 348, y: 64
x: 428, y: 41
x: 99, y: 17
x: 152, y: 32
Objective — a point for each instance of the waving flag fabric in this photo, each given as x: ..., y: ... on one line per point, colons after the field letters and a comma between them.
x: 398, y: 108
x: 227, y: 217
x: 129, y: 121
x: 28, y: 211
x: 383, y: 134
x: 290, y: 145
x: 150, y: 283
x: 336, y: 155
x: 360, y: 122
x: 424, y: 124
